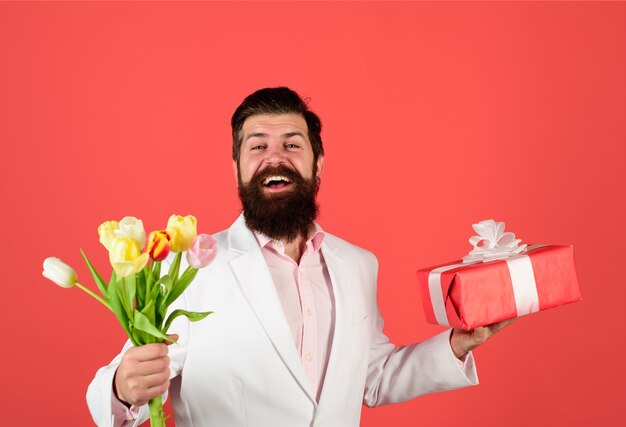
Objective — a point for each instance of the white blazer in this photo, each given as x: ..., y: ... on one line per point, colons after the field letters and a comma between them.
x: 239, y: 366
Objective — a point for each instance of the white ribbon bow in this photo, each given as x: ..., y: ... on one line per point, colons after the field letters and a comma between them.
x: 492, y: 242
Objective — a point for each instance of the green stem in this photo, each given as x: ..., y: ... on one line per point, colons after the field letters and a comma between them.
x: 156, y: 412
x: 93, y: 294
x: 128, y: 305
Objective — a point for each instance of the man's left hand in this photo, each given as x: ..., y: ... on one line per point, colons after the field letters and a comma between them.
x: 463, y: 341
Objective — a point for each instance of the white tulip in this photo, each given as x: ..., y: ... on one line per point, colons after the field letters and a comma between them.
x: 59, y: 272
x: 132, y: 228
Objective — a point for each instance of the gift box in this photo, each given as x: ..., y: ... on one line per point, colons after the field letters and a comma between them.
x: 498, y: 280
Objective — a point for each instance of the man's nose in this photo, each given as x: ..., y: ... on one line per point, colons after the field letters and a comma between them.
x: 275, y: 156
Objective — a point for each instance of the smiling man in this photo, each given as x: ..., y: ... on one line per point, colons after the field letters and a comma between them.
x: 278, y: 172
x: 296, y: 338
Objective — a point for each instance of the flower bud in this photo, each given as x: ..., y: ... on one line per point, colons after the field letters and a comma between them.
x: 158, y: 246
x: 182, y: 231
x: 202, y: 251
x: 59, y: 272
x: 125, y: 256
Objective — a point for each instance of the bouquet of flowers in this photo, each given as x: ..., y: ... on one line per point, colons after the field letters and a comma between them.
x: 137, y: 293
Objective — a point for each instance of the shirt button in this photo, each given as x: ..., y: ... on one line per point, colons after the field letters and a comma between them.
x: 309, y: 357
x: 309, y: 311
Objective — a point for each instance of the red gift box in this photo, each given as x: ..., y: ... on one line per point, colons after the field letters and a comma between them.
x: 479, y: 293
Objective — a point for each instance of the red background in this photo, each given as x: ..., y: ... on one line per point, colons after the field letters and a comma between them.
x: 436, y: 116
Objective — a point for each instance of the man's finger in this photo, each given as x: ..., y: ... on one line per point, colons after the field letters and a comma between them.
x: 497, y: 327
x: 144, y: 353
x: 152, y: 366
x: 480, y: 334
x: 172, y: 336
x: 155, y: 380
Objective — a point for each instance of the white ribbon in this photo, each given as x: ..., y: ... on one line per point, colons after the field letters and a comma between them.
x: 492, y: 242
x: 524, y: 286
x: 437, y: 298
x: 496, y: 245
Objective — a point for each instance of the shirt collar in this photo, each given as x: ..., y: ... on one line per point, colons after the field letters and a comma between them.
x: 316, y: 237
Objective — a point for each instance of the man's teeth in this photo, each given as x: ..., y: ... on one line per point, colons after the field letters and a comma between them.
x: 276, y: 178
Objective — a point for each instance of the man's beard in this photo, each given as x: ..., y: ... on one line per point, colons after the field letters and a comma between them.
x: 283, y: 215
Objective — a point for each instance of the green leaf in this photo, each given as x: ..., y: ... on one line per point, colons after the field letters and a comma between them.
x: 152, y: 314
x: 130, y: 288
x: 193, y: 316
x: 145, y: 295
x: 166, y: 280
x: 175, y: 267
x: 141, y: 288
x: 144, y: 338
x: 102, y: 286
x: 143, y: 324
x: 182, y: 284
x: 148, y: 311
x: 118, y: 309
x: 156, y: 290
x: 156, y: 270
x: 113, y: 279
x: 121, y: 295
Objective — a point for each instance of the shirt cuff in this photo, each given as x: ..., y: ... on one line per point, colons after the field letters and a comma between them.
x: 462, y: 361
x: 122, y: 412
x: 466, y: 364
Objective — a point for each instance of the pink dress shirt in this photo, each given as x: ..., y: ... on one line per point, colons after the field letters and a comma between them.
x: 306, y: 295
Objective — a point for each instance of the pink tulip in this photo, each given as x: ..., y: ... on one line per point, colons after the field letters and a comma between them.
x: 202, y: 251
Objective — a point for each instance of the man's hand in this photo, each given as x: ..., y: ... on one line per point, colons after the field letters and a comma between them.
x: 143, y: 373
x: 463, y: 341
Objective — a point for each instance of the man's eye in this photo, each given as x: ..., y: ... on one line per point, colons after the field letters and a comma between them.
x: 291, y: 146
x: 258, y: 147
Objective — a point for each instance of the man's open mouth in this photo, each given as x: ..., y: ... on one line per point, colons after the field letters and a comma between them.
x: 276, y: 182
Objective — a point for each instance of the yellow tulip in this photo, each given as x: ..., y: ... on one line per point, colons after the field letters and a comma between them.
x: 126, y: 257
x: 182, y: 230
x: 106, y: 230
x: 131, y: 227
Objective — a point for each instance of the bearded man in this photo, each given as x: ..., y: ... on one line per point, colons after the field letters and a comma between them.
x: 296, y: 338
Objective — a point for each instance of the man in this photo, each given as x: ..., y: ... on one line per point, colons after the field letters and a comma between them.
x: 296, y: 338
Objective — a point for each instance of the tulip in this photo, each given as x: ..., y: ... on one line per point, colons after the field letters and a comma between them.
x: 182, y: 231
x: 126, y: 257
x: 63, y: 275
x: 106, y: 230
x: 158, y: 246
x: 202, y: 251
x: 132, y: 228
x: 59, y: 272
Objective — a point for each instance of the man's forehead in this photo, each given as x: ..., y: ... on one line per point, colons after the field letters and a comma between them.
x: 275, y: 123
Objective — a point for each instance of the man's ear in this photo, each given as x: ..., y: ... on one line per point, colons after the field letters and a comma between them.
x: 320, y: 165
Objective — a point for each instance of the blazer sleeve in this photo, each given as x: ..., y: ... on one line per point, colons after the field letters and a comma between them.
x: 399, y: 373
x: 100, y: 391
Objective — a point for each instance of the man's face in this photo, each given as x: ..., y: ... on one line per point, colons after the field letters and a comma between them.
x: 276, y: 140
x: 277, y: 176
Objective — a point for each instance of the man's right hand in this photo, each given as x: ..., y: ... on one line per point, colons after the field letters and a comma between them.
x: 142, y: 374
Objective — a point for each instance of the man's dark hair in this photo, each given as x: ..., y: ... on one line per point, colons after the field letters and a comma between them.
x: 276, y: 100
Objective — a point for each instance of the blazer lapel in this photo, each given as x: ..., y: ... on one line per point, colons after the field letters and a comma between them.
x: 256, y: 284
x: 338, y: 269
